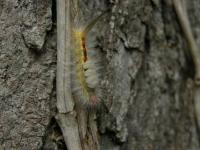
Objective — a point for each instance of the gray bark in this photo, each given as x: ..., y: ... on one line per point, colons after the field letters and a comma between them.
x: 147, y: 94
x: 27, y: 71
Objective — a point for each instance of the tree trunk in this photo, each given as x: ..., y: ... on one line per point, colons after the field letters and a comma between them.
x: 147, y: 91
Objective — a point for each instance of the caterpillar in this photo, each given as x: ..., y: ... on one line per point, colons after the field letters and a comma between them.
x: 85, y: 68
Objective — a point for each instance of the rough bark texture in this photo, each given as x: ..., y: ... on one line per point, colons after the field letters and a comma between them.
x: 147, y: 97
x: 27, y: 72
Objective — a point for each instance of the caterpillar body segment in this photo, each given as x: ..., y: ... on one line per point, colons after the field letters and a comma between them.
x: 85, y: 79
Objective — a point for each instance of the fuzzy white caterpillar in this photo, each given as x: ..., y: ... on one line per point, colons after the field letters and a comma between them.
x: 85, y: 81
x: 85, y: 68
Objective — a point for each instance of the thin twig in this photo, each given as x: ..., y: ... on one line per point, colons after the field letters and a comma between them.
x: 185, y: 24
x: 195, y: 52
x: 66, y: 116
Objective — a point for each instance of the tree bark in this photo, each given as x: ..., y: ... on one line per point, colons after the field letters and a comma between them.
x: 147, y: 91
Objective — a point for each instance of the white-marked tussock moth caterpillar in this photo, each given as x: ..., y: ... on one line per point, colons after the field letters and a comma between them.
x: 85, y: 66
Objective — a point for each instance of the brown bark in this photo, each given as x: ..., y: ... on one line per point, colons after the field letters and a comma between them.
x: 147, y: 94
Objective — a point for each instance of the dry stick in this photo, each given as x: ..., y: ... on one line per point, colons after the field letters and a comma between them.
x: 195, y: 52
x: 184, y: 22
x: 64, y: 99
x: 74, y: 126
x: 94, y: 130
x: 66, y: 116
